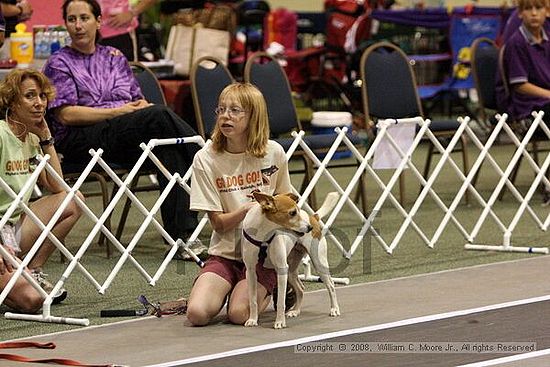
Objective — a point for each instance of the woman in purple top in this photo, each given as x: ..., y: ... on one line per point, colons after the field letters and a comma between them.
x: 99, y: 105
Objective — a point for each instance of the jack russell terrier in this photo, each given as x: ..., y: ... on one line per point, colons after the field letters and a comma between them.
x: 287, y: 233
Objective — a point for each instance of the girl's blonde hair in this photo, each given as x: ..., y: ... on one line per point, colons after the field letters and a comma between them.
x: 253, y: 103
x: 10, y: 87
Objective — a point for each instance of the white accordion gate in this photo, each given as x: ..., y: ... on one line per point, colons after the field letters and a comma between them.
x: 366, y: 167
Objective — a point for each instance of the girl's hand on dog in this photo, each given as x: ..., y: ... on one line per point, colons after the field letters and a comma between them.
x: 247, y: 206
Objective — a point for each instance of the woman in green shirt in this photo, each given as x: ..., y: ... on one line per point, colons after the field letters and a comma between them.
x: 24, y: 133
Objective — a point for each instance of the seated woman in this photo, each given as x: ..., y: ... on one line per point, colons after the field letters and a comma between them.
x: 24, y: 95
x: 99, y: 105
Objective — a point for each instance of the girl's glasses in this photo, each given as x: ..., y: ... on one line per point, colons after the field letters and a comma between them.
x: 231, y: 111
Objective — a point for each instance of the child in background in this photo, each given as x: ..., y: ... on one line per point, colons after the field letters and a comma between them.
x: 527, y: 65
x: 527, y: 61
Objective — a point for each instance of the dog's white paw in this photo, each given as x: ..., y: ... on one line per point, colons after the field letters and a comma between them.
x: 278, y: 324
x: 251, y: 322
x: 335, y: 312
x: 293, y: 313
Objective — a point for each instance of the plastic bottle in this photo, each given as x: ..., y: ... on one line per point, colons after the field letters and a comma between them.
x: 38, y: 40
x: 64, y: 39
x: 54, y: 43
x: 46, y: 43
x: 21, y: 46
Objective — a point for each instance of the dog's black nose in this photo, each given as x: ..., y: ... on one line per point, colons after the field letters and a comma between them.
x: 309, y: 228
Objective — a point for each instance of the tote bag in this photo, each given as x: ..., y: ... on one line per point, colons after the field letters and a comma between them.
x: 187, y: 44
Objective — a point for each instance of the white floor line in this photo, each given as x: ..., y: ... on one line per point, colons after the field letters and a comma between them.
x: 365, y: 329
x: 442, y: 272
x: 515, y: 357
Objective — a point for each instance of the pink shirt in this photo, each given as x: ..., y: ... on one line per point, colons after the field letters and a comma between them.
x: 113, y: 7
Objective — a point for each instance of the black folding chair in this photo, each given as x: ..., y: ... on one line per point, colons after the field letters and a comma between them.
x: 152, y: 91
x: 209, y: 76
x: 268, y: 76
x: 148, y: 82
x: 484, y: 62
x: 389, y: 91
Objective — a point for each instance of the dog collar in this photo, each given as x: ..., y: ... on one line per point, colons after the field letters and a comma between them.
x: 255, y: 242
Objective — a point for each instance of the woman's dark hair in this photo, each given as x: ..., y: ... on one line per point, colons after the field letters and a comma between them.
x: 94, y: 7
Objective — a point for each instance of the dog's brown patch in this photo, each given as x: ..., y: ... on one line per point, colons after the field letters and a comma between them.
x: 292, y: 196
x: 279, y: 208
x: 316, y: 231
x: 283, y: 211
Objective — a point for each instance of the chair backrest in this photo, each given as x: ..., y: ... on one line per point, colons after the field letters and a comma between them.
x: 148, y: 82
x: 268, y: 76
x: 503, y: 86
x: 484, y: 61
x: 502, y: 69
x: 388, y: 83
x: 209, y: 76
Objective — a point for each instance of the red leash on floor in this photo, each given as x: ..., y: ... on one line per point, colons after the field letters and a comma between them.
x: 62, y: 361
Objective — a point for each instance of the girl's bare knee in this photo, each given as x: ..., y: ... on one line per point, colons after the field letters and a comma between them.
x: 81, y: 197
x: 30, y: 303
x: 197, y: 316
x: 73, y: 208
x: 238, y: 314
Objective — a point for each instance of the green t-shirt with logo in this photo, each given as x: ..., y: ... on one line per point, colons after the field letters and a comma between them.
x: 16, y: 166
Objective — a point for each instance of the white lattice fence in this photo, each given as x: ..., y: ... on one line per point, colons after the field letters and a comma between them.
x: 366, y: 167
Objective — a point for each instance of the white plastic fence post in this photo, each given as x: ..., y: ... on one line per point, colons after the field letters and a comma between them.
x: 386, y: 193
x: 524, y: 201
x: 428, y: 185
x: 46, y: 316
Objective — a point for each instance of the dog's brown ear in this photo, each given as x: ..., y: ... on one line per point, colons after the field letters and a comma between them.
x: 265, y: 200
x: 293, y: 196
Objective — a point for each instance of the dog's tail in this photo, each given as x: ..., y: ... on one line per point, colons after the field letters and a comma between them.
x: 328, y: 204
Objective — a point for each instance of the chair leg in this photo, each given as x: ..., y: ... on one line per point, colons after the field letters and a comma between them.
x: 102, y: 240
x: 513, y: 176
x: 535, y: 154
x: 363, y: 191
x: 428, y: 163
x: 465, y: 164
x: 476, y: 176
x: 402, y: 197
x: 125, y: 210
x: 535, y: 151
